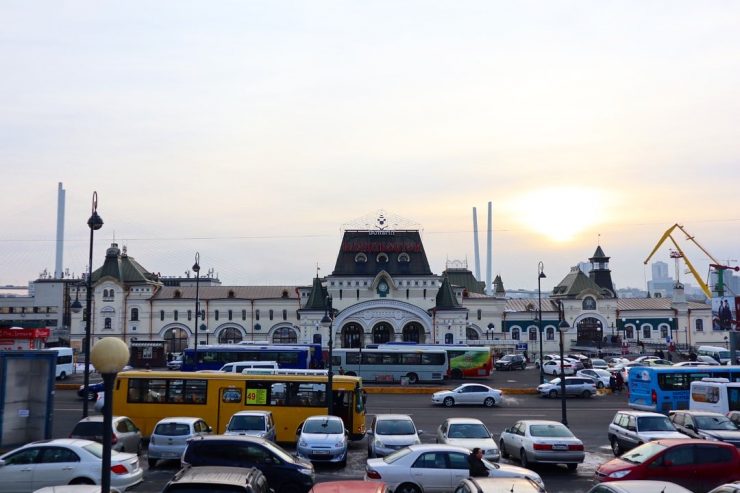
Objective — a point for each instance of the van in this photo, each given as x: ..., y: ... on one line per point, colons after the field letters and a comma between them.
x: 240, y: 366
x: 65, y: 363
x: 719, y: 354
x: 717, y: 395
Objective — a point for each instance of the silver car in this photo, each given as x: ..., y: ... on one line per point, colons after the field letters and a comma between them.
x: 469, y: 433
x: 253, y: 423
x: 170, y: 437
x: 468, y: 394
x: 580, y: 386
x: 390, y: 432
x: 126, y: 435
x: 540, y: 441
x: 323, y: 439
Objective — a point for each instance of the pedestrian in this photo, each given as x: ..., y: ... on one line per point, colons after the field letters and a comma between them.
x: 170, y: 357
x: 613, y: 383
x: 620, y: 381
x: 476, y: 467
x: 692, y: 355
x: 341, y: 370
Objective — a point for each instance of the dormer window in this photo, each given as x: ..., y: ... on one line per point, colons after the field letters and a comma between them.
x: 178, y: 293
x: 231, y: 293
x: 589, y: 303
x: 382, y: 258
x: 360, y: 258
x: 403, y: 258
x: 285, y: 293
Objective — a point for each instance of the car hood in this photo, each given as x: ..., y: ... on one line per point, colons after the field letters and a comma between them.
x: 321, y: 438
x: 659, y: 435
x: 397, y: 439
x: 443, y: 393
x: 471, y: 443
x: 250, y: 433
x: 507, y: 471
x: 613, y: 465
x: 724, y: 435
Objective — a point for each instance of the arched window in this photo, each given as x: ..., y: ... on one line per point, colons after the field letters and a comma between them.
x: 533, y: 333
x: 515, y: 334
x: 449, y: 338
x: 382, y: 333
x: 663, y: 332
x: 231, y: 293
x: 360, y: 258
x: 471, y: 334
x: 413, y: 332
x: 403, y: 258
x: 178, y: 293
x: 176, y: 340
x: 646, y: 332
x: 381, y: 258
x: 284, y: 335
x: 629, y: 332
x: 317, y: 338
x: 550, y: 334
x: 352, y: 335
x: 134, y: 314
x: 108, y: 323
x: 588, y: 303
x: 229, y: 335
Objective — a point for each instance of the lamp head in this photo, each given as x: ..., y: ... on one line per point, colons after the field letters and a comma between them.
x: 491, y: 326
x: 109, y: 355
x: 563, y: 326
x: 95, y: 222
x: 541, y: 270
x: 196, y: 265
x: 76, y: 306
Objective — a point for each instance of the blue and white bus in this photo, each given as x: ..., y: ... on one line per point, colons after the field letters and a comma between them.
x: 213, y: 357
x: 390, y: 365
x: 662, y: 389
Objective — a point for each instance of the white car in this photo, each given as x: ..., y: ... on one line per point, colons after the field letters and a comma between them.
x: 390, y: 432
x: 601, y: 377
x: 552, y: 367
x: 433, y: 468
x: 323, y: 439
x: 171, y: 435
x: 599, y: 364
x: 469, y: 433
x: 65, y: 461
x: 540, y: 441
x: 468, y: 394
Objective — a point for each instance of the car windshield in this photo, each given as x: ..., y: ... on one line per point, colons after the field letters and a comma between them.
x: 640, y: 454
x: 507, y: 358
x: 333, y: 427
x: 598, y: 362
x: 714, y: 423
x: 247, y: 423
x: 395, y: 427
x: 88, y: 429
x: 172, y: 429
x: 468, y: 430
x: 95, y: 448
x: 398, y: 454
x: 280, y: 452
x: 555, y: 381
x: 654, y: 423
x: 550, y: 430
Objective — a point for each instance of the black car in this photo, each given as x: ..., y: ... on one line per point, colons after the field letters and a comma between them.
x: 285, y: 473
x: 92, y: 391
x: 706, y: 425
x: 511, y: 362
x: 208, y: 479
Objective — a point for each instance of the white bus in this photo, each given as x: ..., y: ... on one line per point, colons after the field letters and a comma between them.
x: 717, y: 395
x: 65, y: 363
x: 391, y: 365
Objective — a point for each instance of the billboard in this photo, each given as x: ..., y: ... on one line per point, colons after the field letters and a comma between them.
x: 724, y: 312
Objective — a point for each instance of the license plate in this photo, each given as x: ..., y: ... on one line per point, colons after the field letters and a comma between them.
x: 558, y: 446
x: 320, y: 452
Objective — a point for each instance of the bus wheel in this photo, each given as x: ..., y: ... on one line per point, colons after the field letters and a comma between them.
x: 413, y: 378
x: 456, y: 374
x: 62, y: 376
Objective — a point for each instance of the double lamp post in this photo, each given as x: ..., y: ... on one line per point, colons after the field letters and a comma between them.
x: 327, y: 321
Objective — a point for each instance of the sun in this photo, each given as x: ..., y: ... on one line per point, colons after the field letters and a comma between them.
x: 561, y: 213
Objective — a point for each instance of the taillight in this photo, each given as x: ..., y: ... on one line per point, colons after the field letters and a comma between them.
x: 575, y: 447
x: 654, y: 397
x: 542, y: 446
x: 372, y: 474
x: 119, y: 469
x: 113, y: 439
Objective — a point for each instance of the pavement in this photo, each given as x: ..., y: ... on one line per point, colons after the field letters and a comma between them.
x: 515, y: 382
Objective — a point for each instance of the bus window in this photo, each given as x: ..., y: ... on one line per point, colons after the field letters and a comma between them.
x: 733, y: 398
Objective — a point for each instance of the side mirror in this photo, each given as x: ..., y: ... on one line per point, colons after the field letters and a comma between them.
x: 2, y: 462
x: 346, y: 431
x: 419, y: 432
x: 209, y: 429
x: 370, y: 432
x: 493, y: 436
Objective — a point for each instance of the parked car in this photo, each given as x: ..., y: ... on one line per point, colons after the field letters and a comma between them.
x: 698, y: 465
x: 629, y: 429
x: 600, y: 377
x: 599, y: 364
x: 498, y: 485
x: 323, y: 439
x: 65, y: 461
x: 638, y: 486
x: 469, y: 393
x: 552, y: 367
x: 285, y: 473
x: 175, y: 363
x: 541, y: 441
x: 390, y: 432
x: 126, y: 435
x: 577, y: 386
x: 92, y: 390
x: 433, y: 468
x: 208, y: 479
x: 707, y: 360
x: 727, y: 488
x: 734, y: 417
x: 75, y: 488
x: 691, y: 363
x: 170, y: 437
x: 707, y: 425
x: 254, y: 423
x: 469, y: 433
x: 350, y: 486
x: 511, y: 362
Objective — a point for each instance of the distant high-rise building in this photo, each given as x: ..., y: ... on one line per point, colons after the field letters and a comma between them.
x: 660, y: 271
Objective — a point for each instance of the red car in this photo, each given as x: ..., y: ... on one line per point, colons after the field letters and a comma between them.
x: 698, y: 465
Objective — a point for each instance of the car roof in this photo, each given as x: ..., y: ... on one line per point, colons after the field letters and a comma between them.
x: 540, y: 422
x: 639, y: 413
x: 646, y: 486
x: 228, y: 438
x: 378, y: 417
x: 424, y: 447
x: 349, y: 486
x: 696, y: 413
x: 464, y: 420
x: 180, y: 419
x: 78, y: 442
x: 222, y: 474
x: 323, y: 417
x: 99, y: 419
x: 504, y: 485
x: 252, y: 413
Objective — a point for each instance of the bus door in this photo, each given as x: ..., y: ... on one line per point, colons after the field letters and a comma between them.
x: 230, y: 401
x: 342, y: 405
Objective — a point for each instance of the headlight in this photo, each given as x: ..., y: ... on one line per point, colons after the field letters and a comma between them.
x: 619, y: 474
x: 707, y: 436
x: 307, y: 472
x: 537, y: 479
x: 378, y: 443
x: 303, y: 443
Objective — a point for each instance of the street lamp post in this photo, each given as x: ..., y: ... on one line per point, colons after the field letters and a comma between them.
x: 327, y: 322
x: 196, y: 269
x: 94, y: 223
x: 540, y: 275
x: 562, y: 327
x: 109, y: 356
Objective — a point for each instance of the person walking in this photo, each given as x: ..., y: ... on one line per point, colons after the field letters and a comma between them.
x: 620, y: 381
x: 476, y: 467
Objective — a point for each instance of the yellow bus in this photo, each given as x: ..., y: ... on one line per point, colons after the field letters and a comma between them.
x: 148, y: 396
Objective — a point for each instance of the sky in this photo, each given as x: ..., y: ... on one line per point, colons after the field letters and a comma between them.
x: 252, y: 131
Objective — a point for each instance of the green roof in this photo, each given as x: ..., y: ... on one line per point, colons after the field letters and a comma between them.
x: 317, y: 298
x: 123, y: 268
x: 446, y: 299
x: 465, y: 279
x: 574, y: 284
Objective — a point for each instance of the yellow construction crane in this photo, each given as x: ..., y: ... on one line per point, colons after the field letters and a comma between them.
x: 667, y: 235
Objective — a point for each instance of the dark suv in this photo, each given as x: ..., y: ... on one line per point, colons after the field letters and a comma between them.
x: 511, y: 362
x: 285, y: 473
x: 706, y: 425
x: 207, y: 479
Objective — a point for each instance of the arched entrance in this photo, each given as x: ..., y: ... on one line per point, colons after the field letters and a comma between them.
x: 352, y: 335
x: 382, y: 333
x: 284, y: 335
x: 471, y: 334
x: 589, y: 332
x: 413, y: 332
x: 175, y: 340
x: 230, y: 335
